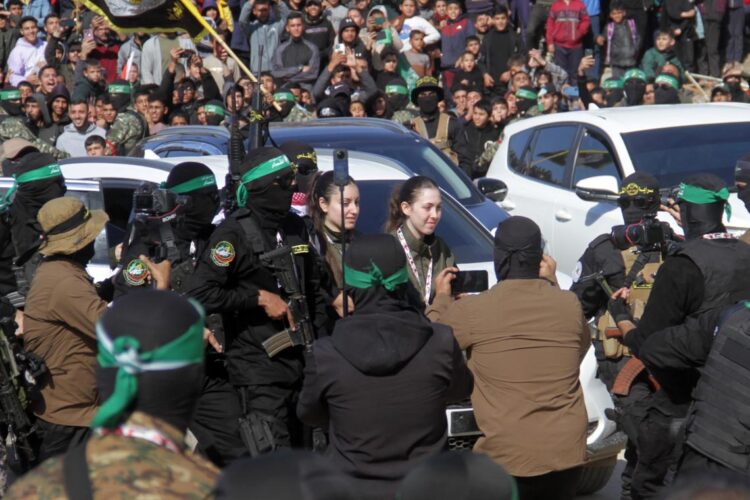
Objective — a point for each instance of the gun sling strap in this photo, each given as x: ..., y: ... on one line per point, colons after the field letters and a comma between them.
x: 76, y: 474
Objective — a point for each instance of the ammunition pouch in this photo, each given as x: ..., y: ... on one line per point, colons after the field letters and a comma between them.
x: 180, y: 274
x: 255, y: 429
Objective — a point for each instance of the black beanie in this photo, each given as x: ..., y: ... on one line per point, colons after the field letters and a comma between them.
x: 284, y: 475
x: 187, y: 171
x: 301, y: 154
x: 258, y: 156
x: 155, y: 318
x: 458, y: 476
x: 706, y: 181
x: 380, y: 249
x: 518, y: 249
x: 639, y: 183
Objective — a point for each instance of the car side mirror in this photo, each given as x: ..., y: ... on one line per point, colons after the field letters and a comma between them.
x: 598, y: 188
x: 494, y: 189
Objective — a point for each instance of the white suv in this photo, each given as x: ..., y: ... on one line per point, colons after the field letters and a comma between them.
x: 559, y: 168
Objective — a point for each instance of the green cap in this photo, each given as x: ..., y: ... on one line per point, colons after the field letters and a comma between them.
x: 284, y: 97
x: 213, y: 109
x: 396, y: 89
x: 118, y: 88
x: 667, y: 80
x: 10, y: 95
x: 612, y: 84
x: 634, y: 73
x: 526, y: 94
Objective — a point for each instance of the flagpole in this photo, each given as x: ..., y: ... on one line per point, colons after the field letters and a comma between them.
x: 211, y: 31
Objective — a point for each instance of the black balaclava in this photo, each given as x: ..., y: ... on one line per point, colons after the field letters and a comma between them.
x: 526, y: 98
x: 613, y: 96
x: 331, y: 107
x: 215, y: 112
x: 396, y: 92
x: 384, y: 251
x: 28, y: 199
x: 266, y: 196
x: 154, y: 318
x: 518, y: 249
x: 699, y: 218
x: 306, y: 162
x: 458, y: 475
x: 84, y: 255
x: 202, y: 203
x: 638, y: 188
x: 120, y: 94
x: 10, y: 100
x: 742, y: 174
x: 428, y: 104
x: 635, y: 89
x: 666, y: 95
x: 284, y: 475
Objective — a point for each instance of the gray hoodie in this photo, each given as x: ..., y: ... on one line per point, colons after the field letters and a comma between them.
x: 72, y: 141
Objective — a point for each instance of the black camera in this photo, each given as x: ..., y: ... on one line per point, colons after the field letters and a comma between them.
x: 650, y: 233
x: 153, y: 201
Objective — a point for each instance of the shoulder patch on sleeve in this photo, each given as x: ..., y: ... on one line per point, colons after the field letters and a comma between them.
x: 135, y: 273
x: 222, y: 254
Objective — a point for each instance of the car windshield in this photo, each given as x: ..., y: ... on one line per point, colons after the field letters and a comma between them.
x: 672, y: 154
x: 466, y: 238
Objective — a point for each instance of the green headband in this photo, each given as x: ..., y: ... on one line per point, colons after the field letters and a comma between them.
x: 526, y: 94
x: 123, y: 353
x: 396, y: 89
x: 669, y: 80
x: 634, y: 74
x: 268, y: 167
x: 702, y: 196
x: 213, y: 109
x: 50, y: 171
x: 612, y: 84
x: 118, y: 88
x: 194, y: 184
x: 9, y: 95
x: 284, y: 97
x: 361, y: 279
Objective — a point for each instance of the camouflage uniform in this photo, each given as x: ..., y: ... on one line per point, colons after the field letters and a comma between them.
x: 13, y: 127
x: 299, y: 114
x: 405, y: 116
x: 123, y: 467
x: 126, y: 131
x: 487, y: 155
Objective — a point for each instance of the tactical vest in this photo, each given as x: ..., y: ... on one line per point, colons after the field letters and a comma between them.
x: 719, y: 422
x: 640, y: 288
x: 724, y: 262
x: 441, y: 140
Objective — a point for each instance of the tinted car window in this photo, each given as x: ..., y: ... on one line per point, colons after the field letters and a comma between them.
x: 518, y: 150
x: 594, y: 158
x: 550, y: 152
x: 672, y: 154
x: 464, y: 236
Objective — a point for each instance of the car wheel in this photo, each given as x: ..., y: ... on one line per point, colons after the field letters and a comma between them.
x: 596, y: 475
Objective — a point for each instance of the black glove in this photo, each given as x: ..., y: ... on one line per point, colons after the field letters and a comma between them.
x: 619, y: 310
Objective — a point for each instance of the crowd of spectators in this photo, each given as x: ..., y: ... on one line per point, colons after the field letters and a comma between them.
x: 76, y: 85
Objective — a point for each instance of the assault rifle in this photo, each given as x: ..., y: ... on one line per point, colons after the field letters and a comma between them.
x: 300, y: 333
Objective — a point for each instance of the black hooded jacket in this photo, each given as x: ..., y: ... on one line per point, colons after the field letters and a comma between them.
x: 381, y: 383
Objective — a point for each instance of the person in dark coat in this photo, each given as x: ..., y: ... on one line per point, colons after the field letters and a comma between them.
x: 381, y: 381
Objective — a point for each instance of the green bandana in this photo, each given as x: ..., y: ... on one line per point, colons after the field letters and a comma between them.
x: 634, y: 73
x: 10, y: 95
x: 361, y: 279
x: 194, y: 184
x: 38, y: 174
x: 701, y: 196
x: 668, y: 80
x: 612, y: 84
x: 118, y: 88
x: 396, y: 89
x: 284, y: 97
x: 526, y: 94
x: 269, y: 167
x: 213, y: 109
x: 123, y: 354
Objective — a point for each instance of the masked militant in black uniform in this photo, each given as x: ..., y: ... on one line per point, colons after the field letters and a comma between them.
x: 696, y: 282
x: 233, y: 278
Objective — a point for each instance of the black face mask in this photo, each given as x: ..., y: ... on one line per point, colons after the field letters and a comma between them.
x: 271, y: 204
x: 636, y: 208
x: 427, y: 104
x: 84, y: 255
x: 666, y: 95
x: 518, y: 249
x: 744, y: 195
x: 634, y: 91
x: 613, y: 97
x: 213, y: 119
x: 698, y: 220
x: 198, y: 214
x: 13, y: 108
x: 524, y: 105
x: 304, y: 182
x: 396, y: 102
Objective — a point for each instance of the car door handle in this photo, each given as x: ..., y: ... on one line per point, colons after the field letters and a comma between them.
x: 507, y: 205
x: 563, y: 215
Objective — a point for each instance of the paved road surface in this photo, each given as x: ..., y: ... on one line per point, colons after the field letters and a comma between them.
x: 612, y: 490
